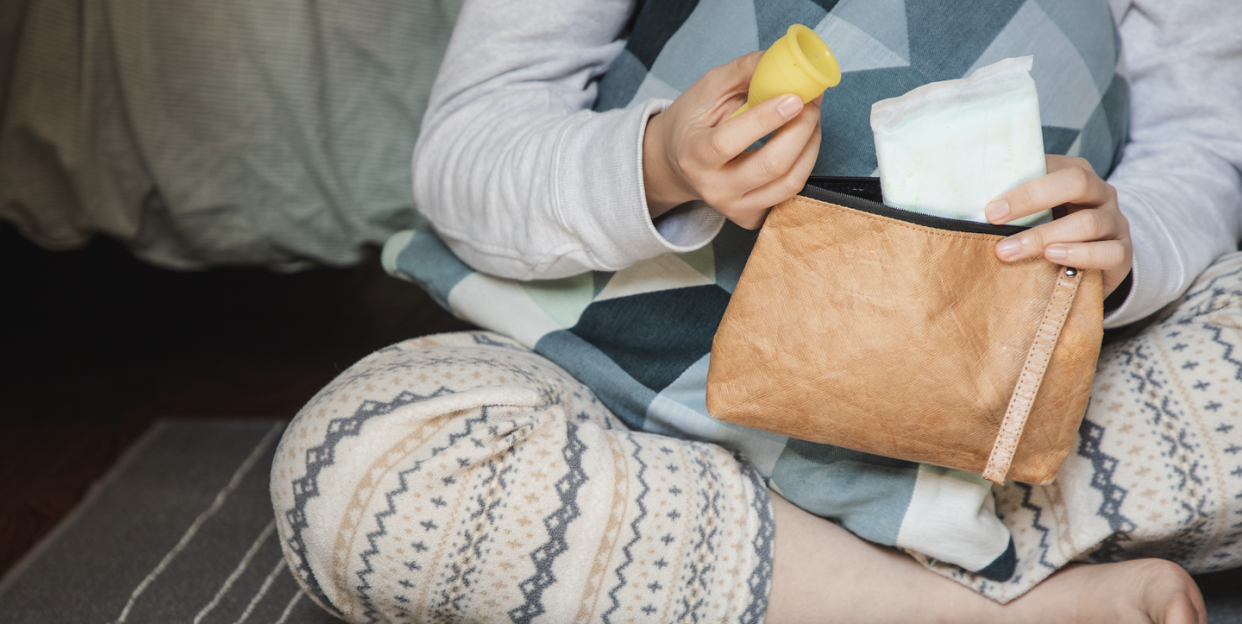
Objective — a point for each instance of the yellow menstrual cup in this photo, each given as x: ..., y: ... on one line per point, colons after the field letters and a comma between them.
x: 798, y: 63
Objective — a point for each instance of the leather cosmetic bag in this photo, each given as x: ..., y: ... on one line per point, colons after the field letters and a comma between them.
x: 901, y: 334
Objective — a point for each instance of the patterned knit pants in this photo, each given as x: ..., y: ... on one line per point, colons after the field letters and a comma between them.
x: 461, y: 477
x: 1157, y: 467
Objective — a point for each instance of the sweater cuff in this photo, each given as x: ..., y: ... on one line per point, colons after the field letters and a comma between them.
x: 600, y: 195
x: 1150, y: 274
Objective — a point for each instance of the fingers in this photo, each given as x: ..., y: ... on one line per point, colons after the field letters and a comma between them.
x: 744, y: 187
x: 1094, y: 234
x: 1087, y: 239
x: 768, y: 175
x: 1069, y: 181
x: 1072, y: 241
x: 1098, y: 238
x: 1083, y: 227
x: 1104, y: 255
x: 722, y: 84
x: 785, y: 186
x: 730, y: 138
x: 691, y: 151
x: 779, y: 155
x: 752, y: 210
x: 733, y: 76
x: 721, y: 90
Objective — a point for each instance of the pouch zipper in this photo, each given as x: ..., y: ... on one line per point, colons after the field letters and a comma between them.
x: 857, y: 193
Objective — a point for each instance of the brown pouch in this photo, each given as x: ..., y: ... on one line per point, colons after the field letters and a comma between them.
x: 901, y: 334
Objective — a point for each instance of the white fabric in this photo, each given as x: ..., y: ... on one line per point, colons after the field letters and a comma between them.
x: 523, y: 181
x: 945, y: 500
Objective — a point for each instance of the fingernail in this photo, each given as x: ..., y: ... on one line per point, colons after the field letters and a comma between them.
x: 789, y: 106
x: 997, y: 211
x: 1056, y: 252
x: 1008, y: 247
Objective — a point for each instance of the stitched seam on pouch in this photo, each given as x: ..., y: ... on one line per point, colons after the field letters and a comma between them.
x: 1031, y: 378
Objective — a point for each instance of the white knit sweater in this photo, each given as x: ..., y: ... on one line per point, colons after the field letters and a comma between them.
x: 522, y: 180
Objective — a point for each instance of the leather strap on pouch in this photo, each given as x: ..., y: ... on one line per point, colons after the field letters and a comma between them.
x: 1033, y: 369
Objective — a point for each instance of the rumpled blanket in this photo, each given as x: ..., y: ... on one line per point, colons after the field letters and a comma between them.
x: 273, y: 133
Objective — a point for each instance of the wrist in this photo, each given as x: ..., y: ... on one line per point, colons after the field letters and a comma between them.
x: 663, y: 188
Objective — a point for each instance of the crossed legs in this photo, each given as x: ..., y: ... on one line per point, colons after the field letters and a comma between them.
x: 462, y: 477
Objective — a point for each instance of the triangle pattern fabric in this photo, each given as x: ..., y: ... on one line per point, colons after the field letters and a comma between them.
x: 653, y: 87
x: 688, y: 54
x: 946, y: 40
x: 660, y: 273
x: 729, y: 253
x: 654, y: 26
x: 563, y: 300
x: 1097, y: 50
x: 882, y: 20
x: 857, y: 50
x: 623, y: 80
x: 1031, y: 32
x: 702, y: 260
x: 773, y: 18
x: 655, y: 336
x: 1059, y: 140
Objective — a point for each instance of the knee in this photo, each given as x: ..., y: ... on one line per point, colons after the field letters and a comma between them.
x: 375, y: 455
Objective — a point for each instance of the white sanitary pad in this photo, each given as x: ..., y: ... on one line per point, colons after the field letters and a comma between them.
x: 949, y: 148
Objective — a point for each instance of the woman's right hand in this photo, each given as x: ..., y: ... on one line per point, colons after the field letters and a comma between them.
x: 690, y: 150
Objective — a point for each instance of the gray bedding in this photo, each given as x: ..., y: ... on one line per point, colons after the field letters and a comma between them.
x: 274, y: 133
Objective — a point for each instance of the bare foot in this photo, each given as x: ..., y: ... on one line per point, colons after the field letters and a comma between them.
x: 822, y: 573
x: 1146, y: 590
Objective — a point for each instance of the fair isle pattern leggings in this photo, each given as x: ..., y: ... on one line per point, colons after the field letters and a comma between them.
x: 461, y: 477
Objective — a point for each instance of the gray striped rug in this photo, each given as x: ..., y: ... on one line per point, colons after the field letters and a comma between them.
x: 180, y: 530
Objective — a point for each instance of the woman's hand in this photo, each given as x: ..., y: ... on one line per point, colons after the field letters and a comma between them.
x: 1092, y: 235
x: 690, y: 152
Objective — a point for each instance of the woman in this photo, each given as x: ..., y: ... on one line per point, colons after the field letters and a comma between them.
x: 465, y: 477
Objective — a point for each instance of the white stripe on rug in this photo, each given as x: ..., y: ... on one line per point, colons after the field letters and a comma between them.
x: 241, y: 567
x: 221, y: 496
x: 289, y: 608
x: 267, y: 583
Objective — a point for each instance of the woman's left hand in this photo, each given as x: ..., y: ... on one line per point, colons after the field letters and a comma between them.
x: 1092, y: 235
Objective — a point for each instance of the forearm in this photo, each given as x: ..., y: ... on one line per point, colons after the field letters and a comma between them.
x: 1178, y: 182
x: 514, y: 171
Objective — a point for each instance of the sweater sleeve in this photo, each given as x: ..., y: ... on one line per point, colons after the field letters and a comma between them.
x: 1178, y: 182
x: 512, y: 168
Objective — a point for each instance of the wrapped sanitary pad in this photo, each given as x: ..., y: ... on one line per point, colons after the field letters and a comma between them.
x: 949, y: 148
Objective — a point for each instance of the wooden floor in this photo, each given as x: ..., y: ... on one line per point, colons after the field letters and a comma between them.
x: 96, y: 345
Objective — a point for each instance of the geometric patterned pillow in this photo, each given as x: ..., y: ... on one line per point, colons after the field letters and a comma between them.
x: 640, y: 338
